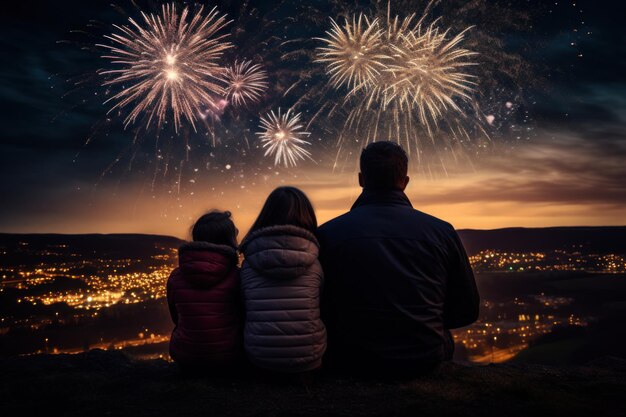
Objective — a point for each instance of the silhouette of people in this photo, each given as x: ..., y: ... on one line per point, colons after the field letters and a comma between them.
x: 386, y: 281
x: 397, y: 280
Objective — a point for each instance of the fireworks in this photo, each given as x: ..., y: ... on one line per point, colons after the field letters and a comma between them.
x: 399, y: 64
x: 354, y: 54
x: 402, y: 79
x: 428, y: 74
x: 245, y: 82
x: 281, y: 137
x: 168, y: 64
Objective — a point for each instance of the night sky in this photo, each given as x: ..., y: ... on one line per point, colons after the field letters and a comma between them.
x: 557, y: 158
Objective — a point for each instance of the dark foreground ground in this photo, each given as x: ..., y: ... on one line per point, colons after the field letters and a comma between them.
x: 110, y: 383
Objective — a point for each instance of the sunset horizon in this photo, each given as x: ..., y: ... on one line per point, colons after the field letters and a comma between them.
x: 531, y: 190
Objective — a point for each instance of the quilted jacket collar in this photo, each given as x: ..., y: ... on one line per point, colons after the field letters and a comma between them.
x: 281, y: 252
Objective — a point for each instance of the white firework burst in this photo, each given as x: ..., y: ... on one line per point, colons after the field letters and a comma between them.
x: 246, y: 82
x: 281, y: 136
x: 167, y: 64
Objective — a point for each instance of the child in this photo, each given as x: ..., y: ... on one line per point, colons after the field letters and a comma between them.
x: 203, y: 296
x: 281, y: 279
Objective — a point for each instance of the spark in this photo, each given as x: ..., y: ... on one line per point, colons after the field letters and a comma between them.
x: 167, y: 64
x: 245, y: 82
x: 281, y: 136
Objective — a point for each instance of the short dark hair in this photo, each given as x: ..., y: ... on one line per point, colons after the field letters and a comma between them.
x: 384, y: 165
x: 215, y: 227
x: 286, y: 205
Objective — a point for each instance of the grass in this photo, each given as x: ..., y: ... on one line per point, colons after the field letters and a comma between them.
x: 101, y: 383
x: 560, y: 353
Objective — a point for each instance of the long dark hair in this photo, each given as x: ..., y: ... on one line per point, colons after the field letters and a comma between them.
x: 215, y: 227
x: 286, y: 205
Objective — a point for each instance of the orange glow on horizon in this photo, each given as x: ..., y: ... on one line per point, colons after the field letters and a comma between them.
x: 540, y: 186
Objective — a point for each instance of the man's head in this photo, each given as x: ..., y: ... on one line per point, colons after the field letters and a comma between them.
x: 384, y: 166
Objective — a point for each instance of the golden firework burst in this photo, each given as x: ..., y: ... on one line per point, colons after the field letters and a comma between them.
x: 353, y: 54
x: 399, y: 63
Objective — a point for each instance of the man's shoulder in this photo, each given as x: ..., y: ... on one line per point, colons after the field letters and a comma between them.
x: 408, y: 216
x: 332, y: 223
x: 431, y: 220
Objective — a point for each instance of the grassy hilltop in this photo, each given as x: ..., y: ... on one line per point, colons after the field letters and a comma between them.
x: 110, y: 383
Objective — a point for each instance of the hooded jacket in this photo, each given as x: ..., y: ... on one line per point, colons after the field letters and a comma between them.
x: 281, y: 279
x: 396, y: 280
x: 203, y: 297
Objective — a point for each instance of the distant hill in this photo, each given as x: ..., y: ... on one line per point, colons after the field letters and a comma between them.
x: 609, y: 239
x: 29, y: 247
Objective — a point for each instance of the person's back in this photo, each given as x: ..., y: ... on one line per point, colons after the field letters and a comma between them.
x: 203, y: 295
x: 281, y: 280
x: 396, y: 278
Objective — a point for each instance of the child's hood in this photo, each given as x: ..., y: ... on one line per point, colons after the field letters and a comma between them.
x: 283, y: 252
x: 204, y: 263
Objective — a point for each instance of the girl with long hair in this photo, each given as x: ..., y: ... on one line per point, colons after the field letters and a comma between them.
x: 281, y: 279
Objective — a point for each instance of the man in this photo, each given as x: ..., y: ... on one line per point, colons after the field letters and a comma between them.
x: 397, y: 279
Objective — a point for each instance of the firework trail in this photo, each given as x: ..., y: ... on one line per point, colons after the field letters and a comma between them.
x: 281, y: 136
x: 167, y: 64
x: 245, y: 82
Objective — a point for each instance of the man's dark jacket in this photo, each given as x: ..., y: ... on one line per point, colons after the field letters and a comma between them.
x: 396, y: 280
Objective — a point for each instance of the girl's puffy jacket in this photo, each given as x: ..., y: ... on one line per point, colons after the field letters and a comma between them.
x: 281, y: 279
